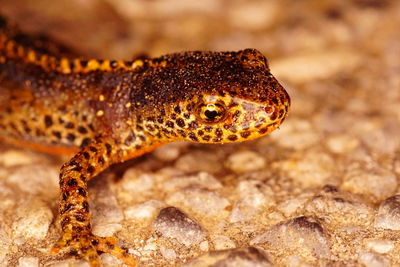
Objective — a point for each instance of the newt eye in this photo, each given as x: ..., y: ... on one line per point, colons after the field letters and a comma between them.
x: 212, y: 112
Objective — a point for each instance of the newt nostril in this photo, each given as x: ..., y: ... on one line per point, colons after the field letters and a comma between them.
x: 253, y: 58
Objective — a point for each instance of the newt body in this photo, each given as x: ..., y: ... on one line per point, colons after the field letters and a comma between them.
x: 105, y: 112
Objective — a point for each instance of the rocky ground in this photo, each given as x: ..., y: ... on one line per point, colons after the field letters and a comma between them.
x: 323, y: 190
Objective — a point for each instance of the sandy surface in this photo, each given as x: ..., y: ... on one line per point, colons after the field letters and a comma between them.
x: 323, y: 190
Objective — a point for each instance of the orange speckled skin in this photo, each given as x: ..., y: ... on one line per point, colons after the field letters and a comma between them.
x: 105, y: 112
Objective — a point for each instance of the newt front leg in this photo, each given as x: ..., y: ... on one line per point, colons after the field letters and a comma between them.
x: 74, y: 207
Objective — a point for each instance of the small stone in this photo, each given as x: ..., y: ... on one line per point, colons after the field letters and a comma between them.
x: 168, y: 253
x: 370, y: 259
x: 245, y: 161
x: 298, y: 134
x: 301, y: 235
x: 322, y: 65
x: 200, y: 200
x: 222, y: 242
x: 106, y: 229
x: 201, y: 179
x: 32, y: 219
x: 204, y: 246
x: 135, y: 181
x: 174, y: 224
x: 197, y: 161
x: 16, y: 157
x: 380, y: 245
x: 36, y: 180
x: 341, y: 144
x: 388, y: 216
x: 28, y: 262
x: 240, y: 257
x: 377, y: 182
x: 169, y: 152
x: 310, y: 169
x: 340, y: 207
x: 146, y: 210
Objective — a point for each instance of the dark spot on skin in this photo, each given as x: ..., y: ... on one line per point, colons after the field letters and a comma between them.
x: 245, y: 134
x: 72, y: 182
x: 138, y: 147
x: 200, y: 132
x: 173, y: 116
x: 160, y: 121
x: 274, y: 115
x: 217, y: 140
x: 77, y: 168
x: 61, y: 121
x: 65, y: 196
x: 263, y: 130
x: 57, y: 134
x: 79, y: 217
x: 113, y: 64
x: 186, y: 115
x: 86, y: 142
x: 39, y: 132
x: 86, y: 155
x: 48, y: 121
x: 65, y: 222
x: 81, y: 191
x: 91, y: 169
x: 182, y: 133
x: 218, y: 132
x: 101, y: 160
x: 170, y: 124
x: 108, y: 149
x: 67, y: 208
x: 93, y: 149
x: 71, y: 137
x: 85, y: 206
x: 139, y: 128
x: 95, y: 242
x: 193, y: 137
x: 178, y: 110
x: 206, y: 138
x: 82, y: 130
x: 208, y: 129
x: 83, y: 178
x: 193, y: 125
x: 180, y: 122
x: 232, y: 137
x: 130, y: 139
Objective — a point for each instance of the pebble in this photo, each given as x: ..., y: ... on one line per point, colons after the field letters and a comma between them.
x: 377, y: 182
x: 245, y: 161
x: 302, y: 235
x: 143, y: 211
x: 240, y: 257
x: 36, y: 180
x: 28, y: 262
x: 388, y: 216
x: 222, y: 242
x: 320, y: 65
x: 167, y: 253
x: 370, y: 259
x: 174, y: 224
x: 197, y: 161
x: 340, y: 207
x: 380, y: 245
x: 202, y: 179
x: 309, y: 168
x: 199, y: 200
x: 32, y: 219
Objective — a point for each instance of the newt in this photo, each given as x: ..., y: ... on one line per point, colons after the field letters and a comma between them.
x: 103, y: 112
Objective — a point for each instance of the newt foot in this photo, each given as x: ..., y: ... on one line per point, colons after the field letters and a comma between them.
x: 90, y: 246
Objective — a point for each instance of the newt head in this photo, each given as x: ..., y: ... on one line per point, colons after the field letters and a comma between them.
x: 213, y: 97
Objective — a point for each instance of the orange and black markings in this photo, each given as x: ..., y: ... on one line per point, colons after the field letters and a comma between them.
x: 106, y: 111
